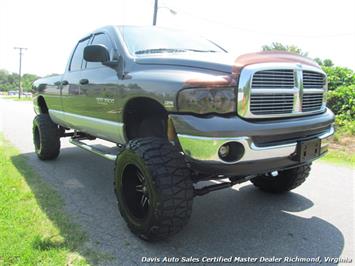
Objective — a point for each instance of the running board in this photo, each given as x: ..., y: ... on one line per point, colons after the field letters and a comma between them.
x: 89, y: 148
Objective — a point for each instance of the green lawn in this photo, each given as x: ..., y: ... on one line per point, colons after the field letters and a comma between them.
x: 340, y: 157
x: 34, y: 229
x: 341, y: 148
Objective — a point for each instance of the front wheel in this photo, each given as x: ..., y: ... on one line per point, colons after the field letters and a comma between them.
x: 153, y: 188
x: 285, y: 181
x: 46, y: 137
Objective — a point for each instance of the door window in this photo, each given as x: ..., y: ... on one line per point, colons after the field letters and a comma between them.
x: 77, y: 57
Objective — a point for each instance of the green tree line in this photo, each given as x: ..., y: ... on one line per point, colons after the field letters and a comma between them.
x: 9, y: 81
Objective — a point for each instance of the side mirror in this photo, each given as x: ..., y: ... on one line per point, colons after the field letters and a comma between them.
x: 96, y: 53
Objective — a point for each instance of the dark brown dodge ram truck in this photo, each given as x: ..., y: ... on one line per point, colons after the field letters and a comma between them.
x: 181, y: 110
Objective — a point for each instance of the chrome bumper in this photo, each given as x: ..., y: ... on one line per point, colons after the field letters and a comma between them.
x: 206, y: 148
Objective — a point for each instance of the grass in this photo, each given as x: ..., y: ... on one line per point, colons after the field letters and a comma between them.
x: 341, y: 149
x: 34, y: 229
x: 340, y: 158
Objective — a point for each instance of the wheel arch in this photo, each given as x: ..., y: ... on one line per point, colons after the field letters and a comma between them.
x: 42, y: 105
x: 140, y: 110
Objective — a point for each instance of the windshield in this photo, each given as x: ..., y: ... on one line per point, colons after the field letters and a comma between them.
x: 141, y: 41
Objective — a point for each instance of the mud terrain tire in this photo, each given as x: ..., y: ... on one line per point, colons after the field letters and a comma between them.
x: 153, y: 188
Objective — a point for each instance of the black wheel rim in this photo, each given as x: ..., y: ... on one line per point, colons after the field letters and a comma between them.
x: 135, y: 192
x: 37, y: 139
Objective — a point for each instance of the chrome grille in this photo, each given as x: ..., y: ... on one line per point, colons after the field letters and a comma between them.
x: 313, y: 80
x: 312, y: 102
x: 271, y: 90
x: 271, y: 103
x: 276, y: 78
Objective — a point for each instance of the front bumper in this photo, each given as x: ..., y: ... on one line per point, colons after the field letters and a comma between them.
x: 206, y: 149
x: 265, y: 142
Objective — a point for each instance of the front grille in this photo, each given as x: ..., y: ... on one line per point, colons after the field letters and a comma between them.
x: 313, y: 80
x: 278, y: 78
x: 271, y: 103
x: 312, y: 102
x: 285, y: 92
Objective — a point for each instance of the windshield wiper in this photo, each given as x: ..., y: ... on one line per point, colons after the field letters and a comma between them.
x: 160, y: 50
x: 201, y: 51
x: 171, y: 50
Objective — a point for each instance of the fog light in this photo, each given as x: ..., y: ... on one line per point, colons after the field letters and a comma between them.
x: 231, y: 151
x: 274, y: 173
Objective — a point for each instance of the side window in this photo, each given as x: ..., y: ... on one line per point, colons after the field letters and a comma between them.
x: 100, y: 38
x: 77, y: 57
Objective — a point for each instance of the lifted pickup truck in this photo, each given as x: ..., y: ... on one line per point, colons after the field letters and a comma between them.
x: 183, y: 110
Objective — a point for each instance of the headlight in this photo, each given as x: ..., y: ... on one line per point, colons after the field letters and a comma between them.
x: 207, y: 100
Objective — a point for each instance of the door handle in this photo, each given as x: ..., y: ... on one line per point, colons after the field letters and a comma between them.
x: 65, y: 82
x: 84, y: 81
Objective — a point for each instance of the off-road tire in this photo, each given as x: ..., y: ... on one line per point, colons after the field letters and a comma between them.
x: 168, y: 182
x: 285, y: 181
x: 46, y: 137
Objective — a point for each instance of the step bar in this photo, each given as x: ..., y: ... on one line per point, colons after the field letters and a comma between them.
x: 89, y: 148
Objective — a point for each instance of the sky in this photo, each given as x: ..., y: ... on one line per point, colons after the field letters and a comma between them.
x: 49, y: 29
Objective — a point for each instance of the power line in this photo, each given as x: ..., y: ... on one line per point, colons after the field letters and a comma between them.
x: 20, y: 66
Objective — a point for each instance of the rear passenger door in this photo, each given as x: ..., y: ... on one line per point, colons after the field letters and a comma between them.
x: 72, y: 102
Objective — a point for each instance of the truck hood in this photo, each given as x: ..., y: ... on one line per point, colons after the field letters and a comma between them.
x: 223, y: 62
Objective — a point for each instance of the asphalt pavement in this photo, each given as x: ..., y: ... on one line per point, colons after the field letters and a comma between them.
x: 316, y: 219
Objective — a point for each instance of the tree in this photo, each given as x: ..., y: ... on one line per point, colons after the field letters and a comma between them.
x: 325, y: 62
x: 3, y: 78
x: 328, y: 63
x: 276, y: 46
x: 9, y: 81
x: 27, y: 80
x: 339, y: 76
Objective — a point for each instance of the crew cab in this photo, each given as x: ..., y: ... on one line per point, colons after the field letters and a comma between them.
x: 181, y: 110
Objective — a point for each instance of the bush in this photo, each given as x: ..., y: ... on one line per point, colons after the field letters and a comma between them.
x: 338, y: 76
x: 342, y: 102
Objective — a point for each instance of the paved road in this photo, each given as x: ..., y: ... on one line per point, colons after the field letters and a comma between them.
x: 316, y: 219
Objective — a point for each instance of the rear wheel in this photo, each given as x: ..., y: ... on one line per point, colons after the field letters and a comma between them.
x: 285, y: 181
x: 46, y: 137
x: 153, y: 188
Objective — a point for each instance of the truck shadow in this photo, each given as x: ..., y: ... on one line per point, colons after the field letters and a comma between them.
x: 244, y: 223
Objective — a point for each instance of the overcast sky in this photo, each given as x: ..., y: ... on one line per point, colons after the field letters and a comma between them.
x: 50, y: 28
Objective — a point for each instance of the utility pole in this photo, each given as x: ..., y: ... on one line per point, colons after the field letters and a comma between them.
x: 156, y: 7
x: 19, y: 72
x: 155, y: 12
